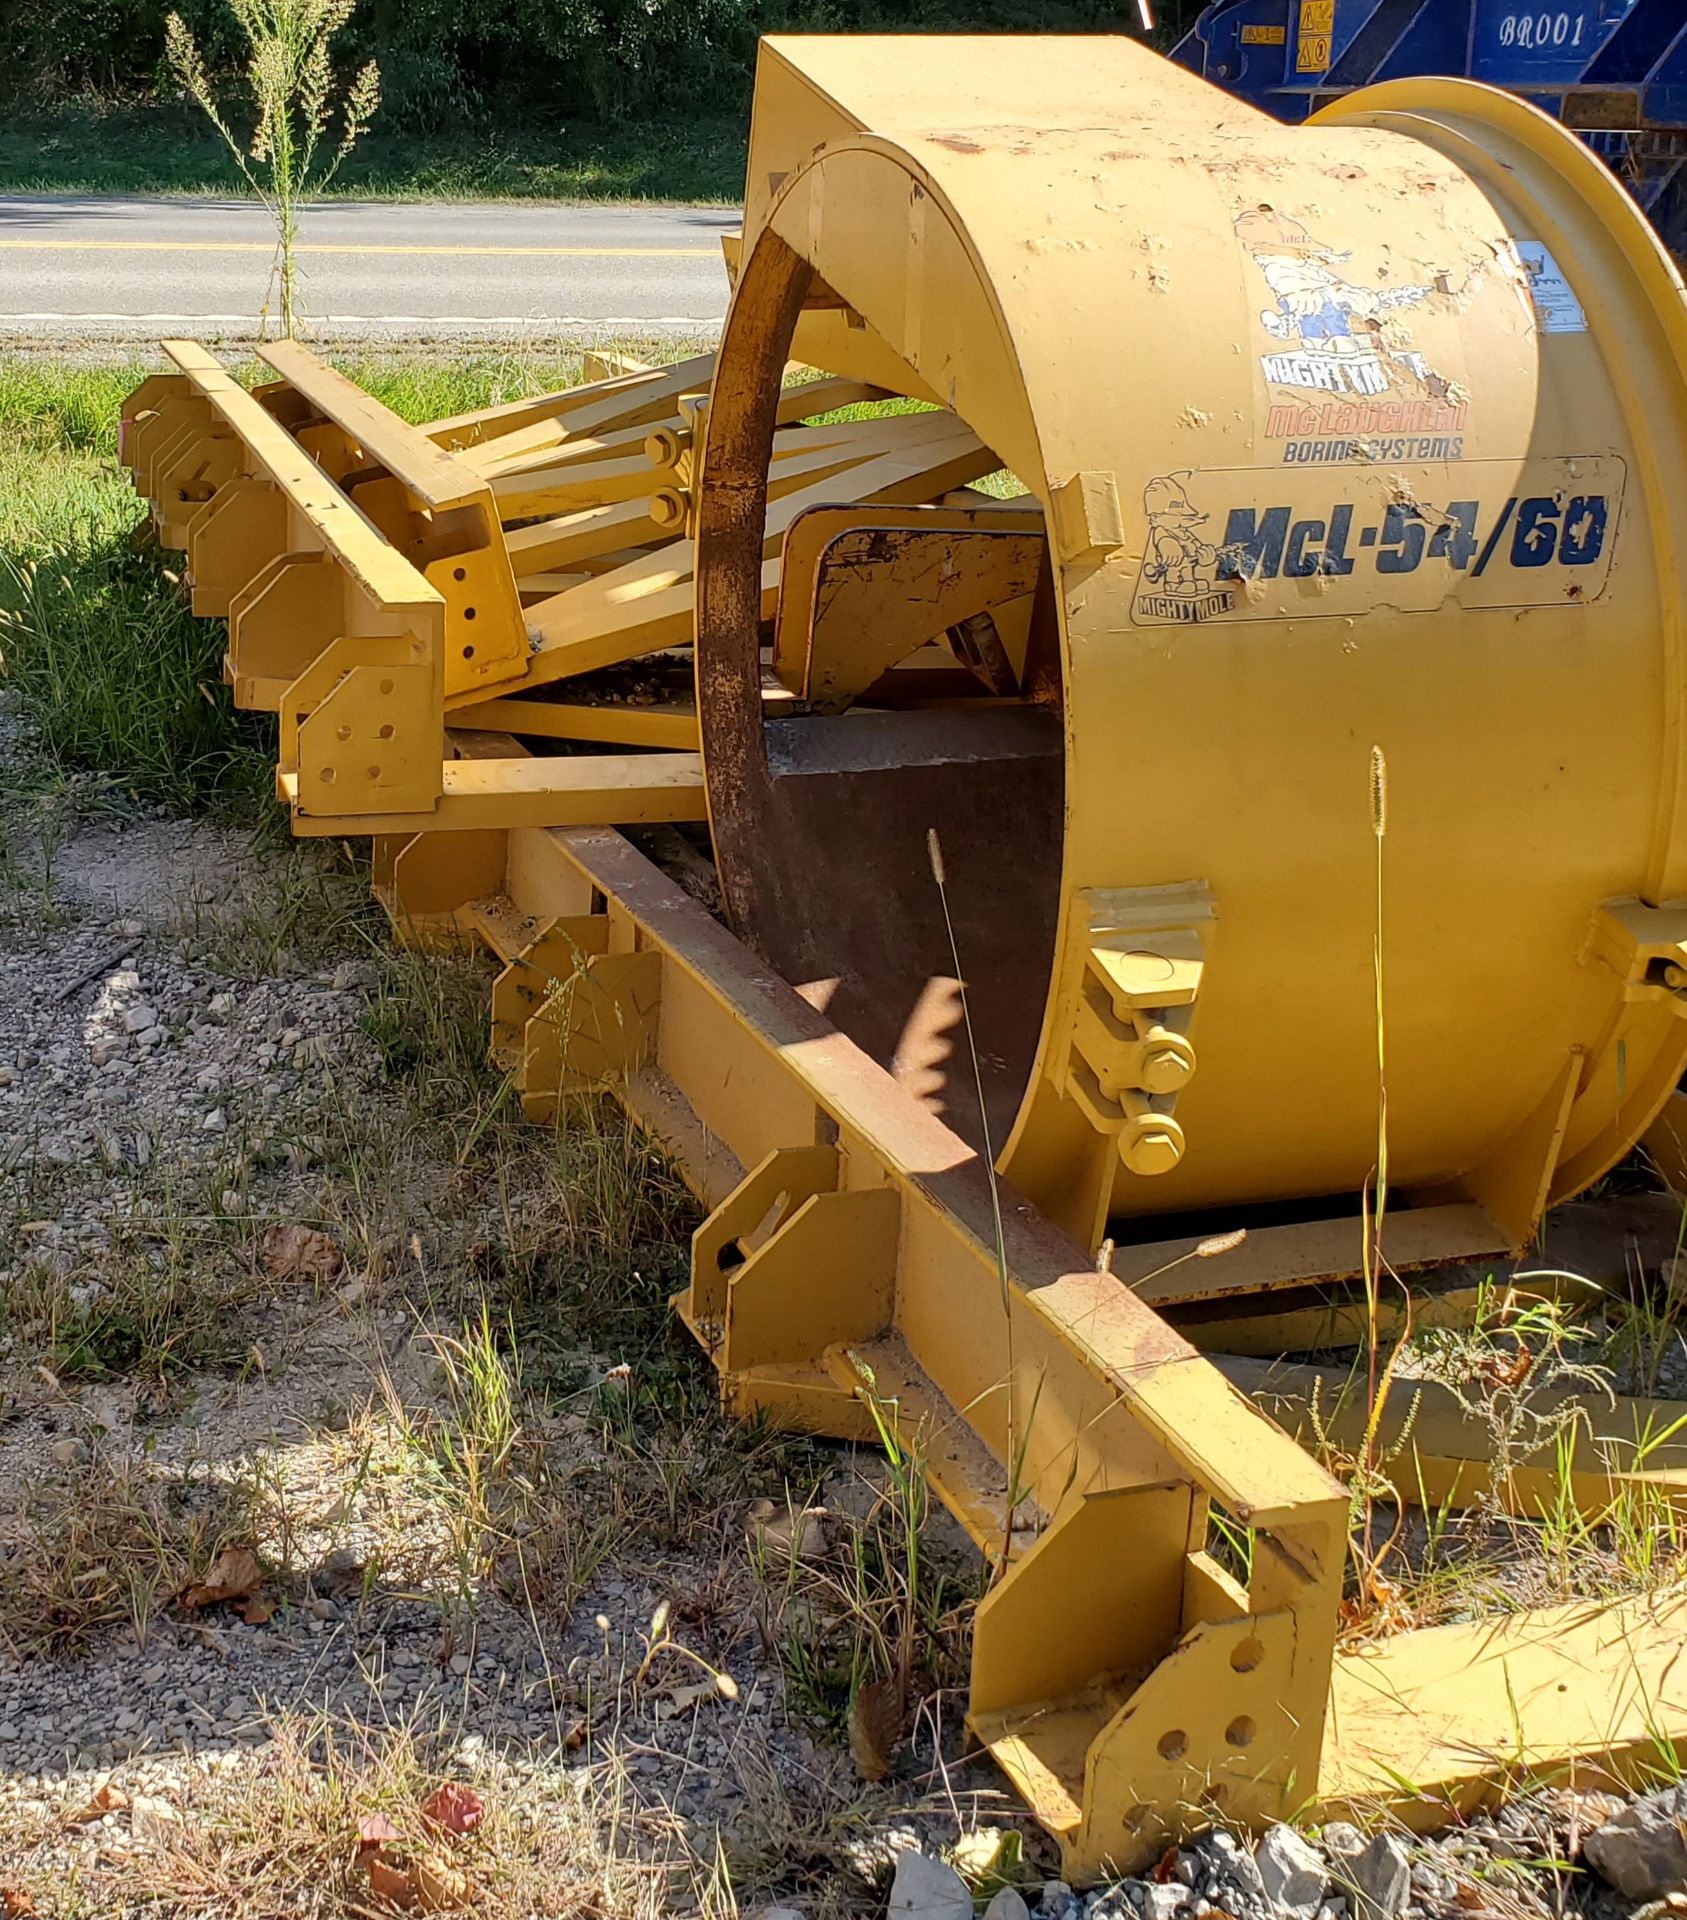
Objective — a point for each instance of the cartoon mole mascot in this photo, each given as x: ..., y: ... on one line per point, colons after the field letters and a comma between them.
x: 1315, y: 303
x: 1179, y: 560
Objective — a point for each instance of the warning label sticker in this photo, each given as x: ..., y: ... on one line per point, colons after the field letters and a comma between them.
x: 1557, y: 310
x: 1312, y: 43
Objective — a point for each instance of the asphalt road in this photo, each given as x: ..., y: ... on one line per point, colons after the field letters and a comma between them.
x: 115, y: 266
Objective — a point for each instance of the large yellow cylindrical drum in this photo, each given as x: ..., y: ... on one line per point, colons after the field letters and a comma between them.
x: 1360, y: 449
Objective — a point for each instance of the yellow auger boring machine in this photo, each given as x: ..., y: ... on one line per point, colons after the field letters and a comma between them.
x: 1246, y: 481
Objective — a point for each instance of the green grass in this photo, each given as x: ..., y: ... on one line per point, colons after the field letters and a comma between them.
x: 88, y: 146
x: 103, y: 663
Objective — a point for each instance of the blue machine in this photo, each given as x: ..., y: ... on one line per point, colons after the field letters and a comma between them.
x: 1614, y: 70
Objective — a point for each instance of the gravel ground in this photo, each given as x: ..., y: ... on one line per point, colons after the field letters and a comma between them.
x: 190, y: 1059
x: 152, y: 1086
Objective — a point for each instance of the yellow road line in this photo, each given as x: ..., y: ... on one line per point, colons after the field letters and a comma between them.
x: 267, y: 246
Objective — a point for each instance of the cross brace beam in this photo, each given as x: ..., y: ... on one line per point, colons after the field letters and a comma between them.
x: 1129, y: 1686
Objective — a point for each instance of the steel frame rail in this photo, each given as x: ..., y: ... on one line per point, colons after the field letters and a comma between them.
x: 372, y: 596
x: 439, y: 514
x: 327, y: 623
x: 1129, y: 1686
x: 347, y: 638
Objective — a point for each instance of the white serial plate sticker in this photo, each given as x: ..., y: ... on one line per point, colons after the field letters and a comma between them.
x: 1557, y: 310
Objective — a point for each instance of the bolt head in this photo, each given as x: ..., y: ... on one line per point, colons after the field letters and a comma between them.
x: 1165, y: 1070
x: 1155, y: 1149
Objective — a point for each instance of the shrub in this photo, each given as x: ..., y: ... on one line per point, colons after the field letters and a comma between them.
x: 444, y: 61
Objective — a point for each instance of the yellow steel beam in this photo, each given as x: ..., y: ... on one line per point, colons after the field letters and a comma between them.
x: 1171, y: 1274
x: 864, y: 1227
x: 1439, y: 1451
x: 863, y: 587
x: 589, y: 422
x: 317, y: 601
x: 1327, y: 1319
x: 645, y: 606
x: 602, y: 464
x: 628, y: 399
x: 588, y: 534
x: 805, y: 399
x: 609, y: 363
x: 541, y: 586
x: 649, y: 603
x: 321, y: 509
x: 563, y: 484
x: 567, y: 539
x: 436, y: 511
x: 654, y: 726
x: 1433, y: 1724
x: 278, y: 548
x: 1127, y: 1684
x: 598, y: 789
x: 574, y: 476
x: 551, y: 439
x: 540, y: 446
x: 1585, y: 1252
x: 438, y: 480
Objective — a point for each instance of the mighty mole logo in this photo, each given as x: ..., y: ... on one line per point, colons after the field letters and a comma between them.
x: 1179, y: 569
x: 1336, y: 336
